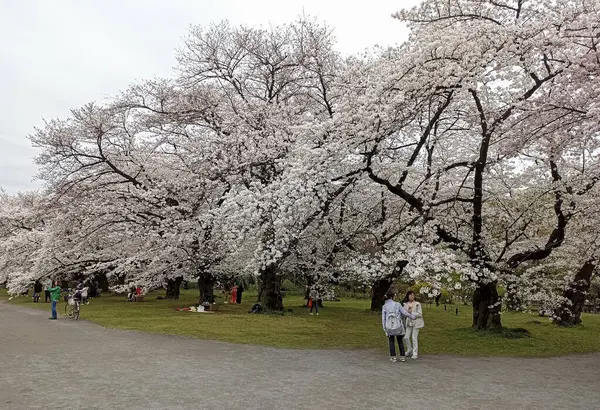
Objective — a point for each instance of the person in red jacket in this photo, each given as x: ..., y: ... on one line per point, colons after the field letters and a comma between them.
x: 234, y: 294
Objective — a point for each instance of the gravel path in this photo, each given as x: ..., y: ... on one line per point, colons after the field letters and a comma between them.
x: 57, y: 364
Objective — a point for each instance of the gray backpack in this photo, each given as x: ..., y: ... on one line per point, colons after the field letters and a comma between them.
x: 393, y: 324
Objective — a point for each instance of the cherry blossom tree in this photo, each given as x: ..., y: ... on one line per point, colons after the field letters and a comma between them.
x: 272, y: 84
x: 472, y: 148
x: 442, y: 121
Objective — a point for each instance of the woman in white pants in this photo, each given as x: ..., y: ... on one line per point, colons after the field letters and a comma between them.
x: 411, y: 338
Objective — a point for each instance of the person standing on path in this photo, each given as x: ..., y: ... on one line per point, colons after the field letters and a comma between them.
x: 55, y: 296
x: 393, y: 326
x: 412, y: 326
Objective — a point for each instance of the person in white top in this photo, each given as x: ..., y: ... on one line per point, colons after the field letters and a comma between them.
x: 411, y: 338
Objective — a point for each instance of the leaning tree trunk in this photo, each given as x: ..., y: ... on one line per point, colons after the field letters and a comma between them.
x: 378, y: 291
x: 102, y: 281
x: 173, y: 287
x: 569, y: 313
x: 269, y: 295
x: 206, y: 283
x: 381, y: 286
x: 486, y: 307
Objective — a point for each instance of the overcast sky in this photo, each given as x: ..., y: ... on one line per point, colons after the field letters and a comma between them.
x: 60, y: 54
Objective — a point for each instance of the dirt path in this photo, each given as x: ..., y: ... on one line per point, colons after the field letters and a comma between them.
x: 54, y: 364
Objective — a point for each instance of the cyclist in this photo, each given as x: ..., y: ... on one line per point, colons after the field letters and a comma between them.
x: 79, y: 291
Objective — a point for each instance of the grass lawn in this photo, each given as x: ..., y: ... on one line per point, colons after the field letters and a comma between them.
x: 345, y: 324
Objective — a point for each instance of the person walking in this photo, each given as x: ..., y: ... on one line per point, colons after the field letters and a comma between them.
x: 55, y: 297
x: 411, y: 337
x: 391, y: 318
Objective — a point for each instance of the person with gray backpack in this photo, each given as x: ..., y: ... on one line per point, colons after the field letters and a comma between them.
x: 393, y: 325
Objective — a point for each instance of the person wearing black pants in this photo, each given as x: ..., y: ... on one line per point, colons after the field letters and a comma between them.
x: 238, y: 296
x: 399, y: 338
x: 315, y: 306
x: 37, y: 290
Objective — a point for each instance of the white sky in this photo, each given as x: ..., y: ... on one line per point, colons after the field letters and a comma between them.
x: 60, y: 54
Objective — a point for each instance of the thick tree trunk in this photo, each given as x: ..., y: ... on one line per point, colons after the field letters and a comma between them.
x: 486, y: 307
x: 102, y: 281
x: 173, y: 287
x: 378, y: 292
x: 269, y: 295
x: 569, y: 313
x: 206, y: 283
x: 381, y: 286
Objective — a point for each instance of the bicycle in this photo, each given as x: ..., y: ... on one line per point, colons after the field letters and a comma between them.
x: 73, y: 306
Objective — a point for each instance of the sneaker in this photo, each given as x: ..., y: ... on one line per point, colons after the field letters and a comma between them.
x: 402, y: 359
x: 311, y: 313
x: 409, y: 354
x: 317, y: 314
x: 52, y: 318
x: 393, y: 359
x: 415, y: 357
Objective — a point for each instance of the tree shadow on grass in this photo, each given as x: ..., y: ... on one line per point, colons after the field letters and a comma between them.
x: 502, y: 333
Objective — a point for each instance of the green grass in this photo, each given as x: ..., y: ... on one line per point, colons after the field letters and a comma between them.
x: 346, y: 324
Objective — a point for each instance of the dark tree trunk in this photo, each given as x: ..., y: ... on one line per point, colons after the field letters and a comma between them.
x: 486, y: 307
x: 381, y: 286
x: 269, y: 295
x: 206, y: 283
x: 569, y: 313
x: 173, y: 287
x: 102, y: 281
x: 378, y: 292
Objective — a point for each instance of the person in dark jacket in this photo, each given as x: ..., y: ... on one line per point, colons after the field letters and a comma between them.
x: 240, y: 290
x: 37, y: 290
